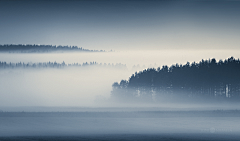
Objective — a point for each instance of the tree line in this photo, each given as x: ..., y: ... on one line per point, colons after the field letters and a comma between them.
x: 207, y: 79
x: 22, y: 48
x: 5, y: 65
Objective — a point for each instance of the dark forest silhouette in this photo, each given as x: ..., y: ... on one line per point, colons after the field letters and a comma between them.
x: 21, y: 48
x: 5, y: 65
x: 207, y: 79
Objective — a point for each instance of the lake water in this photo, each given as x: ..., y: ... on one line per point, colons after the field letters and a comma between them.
x: 108, y: 125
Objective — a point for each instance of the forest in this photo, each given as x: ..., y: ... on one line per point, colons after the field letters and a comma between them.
x: 5, y: 65
x: 22, y: 48
x: 207, y: 79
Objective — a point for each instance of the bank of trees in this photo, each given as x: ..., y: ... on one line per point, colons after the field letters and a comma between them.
x: 22, y: 48
x: 5, y: 65
x: 206, y: 79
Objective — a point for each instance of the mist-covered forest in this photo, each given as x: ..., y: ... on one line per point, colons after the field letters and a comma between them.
x: 5, y: 65
x: 37, y: 48
x: 205, y: 80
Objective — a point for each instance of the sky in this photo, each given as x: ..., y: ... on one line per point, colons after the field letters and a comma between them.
x: 123, y: 25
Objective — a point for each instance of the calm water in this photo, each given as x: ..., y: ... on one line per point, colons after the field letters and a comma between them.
x: 211, y: 123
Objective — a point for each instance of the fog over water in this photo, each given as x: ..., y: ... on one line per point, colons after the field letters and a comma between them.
x: 83, y: 86
x: 57, y: 87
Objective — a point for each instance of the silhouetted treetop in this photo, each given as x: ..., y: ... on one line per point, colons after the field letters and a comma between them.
x: 207, y: 78
x: 21, y: 48
x: 5, y: 65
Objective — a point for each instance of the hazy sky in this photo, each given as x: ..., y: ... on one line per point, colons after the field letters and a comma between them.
x: 122, y: 25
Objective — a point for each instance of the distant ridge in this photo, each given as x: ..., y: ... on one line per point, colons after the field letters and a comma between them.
x: 29, y: 48
x: 5, y: 65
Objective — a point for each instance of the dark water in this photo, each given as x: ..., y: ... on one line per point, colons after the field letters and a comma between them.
x: 120, y: 125
x: 129, y: 137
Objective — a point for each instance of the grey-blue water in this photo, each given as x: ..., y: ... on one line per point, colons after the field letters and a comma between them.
x: 121, y: 124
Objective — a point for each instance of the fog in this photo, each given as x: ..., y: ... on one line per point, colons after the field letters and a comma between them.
x: 83, y: 86
x: 130, y: 58
x: 57, y: 87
